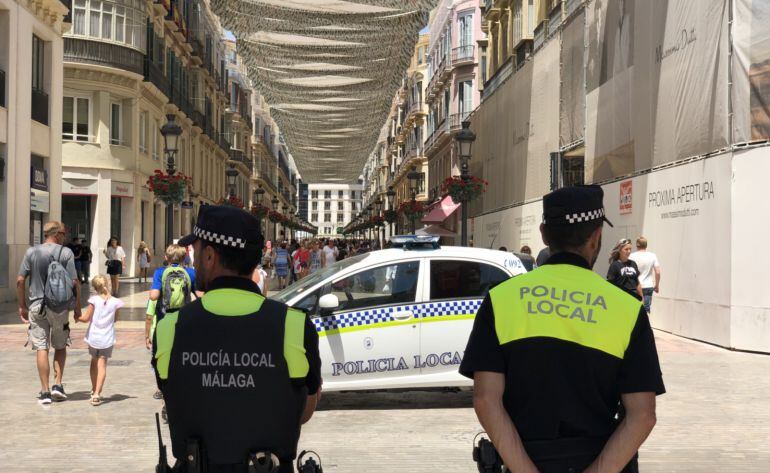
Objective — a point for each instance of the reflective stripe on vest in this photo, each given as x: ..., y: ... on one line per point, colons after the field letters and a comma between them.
x: 237, y: 303
x: 568, y: 303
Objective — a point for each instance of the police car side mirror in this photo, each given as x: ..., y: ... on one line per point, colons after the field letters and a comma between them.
x: 328, y: 303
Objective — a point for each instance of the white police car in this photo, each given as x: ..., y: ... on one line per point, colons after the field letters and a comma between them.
x: 400, y: 317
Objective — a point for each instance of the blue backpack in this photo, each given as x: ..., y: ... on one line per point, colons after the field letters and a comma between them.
x: 59, y: 285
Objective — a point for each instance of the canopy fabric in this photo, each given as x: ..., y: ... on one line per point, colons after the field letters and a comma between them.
x: 436, y: 230
x: 323, y: 63
x: 441, y: 211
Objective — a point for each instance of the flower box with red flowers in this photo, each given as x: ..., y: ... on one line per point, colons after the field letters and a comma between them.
x: 412, y: 209
x: 390, y: 216
x: 233, y: 201
x: 169, y: 188
x: 260, y: 211
x: 275, y: 216
x: 463, y: 190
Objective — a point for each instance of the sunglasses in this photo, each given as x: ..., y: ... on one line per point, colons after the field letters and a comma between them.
x: 624, y: 241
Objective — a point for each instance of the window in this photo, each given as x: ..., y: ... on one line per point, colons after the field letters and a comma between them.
x: 313, y: 194
x: 465, y: 101
x: 75, y: 119
x: 450, y: 279
x: 116, y: 124
x: 327, y: 218
x: 314, y: 205
x: 38, y: 64
x: 327, y: 205
x: 143, y: 132
x: 392, y: 284
x: 79, y: 17
x: 340, y: 205
x: 340, y: 218
x: 340, y: 194
x: 327, y: 194
x: 314, y: 217
x: 465, y: 24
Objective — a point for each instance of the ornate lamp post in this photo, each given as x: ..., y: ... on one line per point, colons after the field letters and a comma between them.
x: 369, y: 214
x: 414, y: 182
x: 170, y: 132
x: 391, y: 194
x: 465, y: 139
x: 378, y: 212
x: 274, y: 201
x: 231, y: 174
x: 283, y: 227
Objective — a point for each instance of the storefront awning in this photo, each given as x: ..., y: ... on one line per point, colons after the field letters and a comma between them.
x: 440, y: 212
x: 436, y: 230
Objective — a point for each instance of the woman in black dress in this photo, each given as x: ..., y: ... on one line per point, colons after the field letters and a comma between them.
x: 624, y: 272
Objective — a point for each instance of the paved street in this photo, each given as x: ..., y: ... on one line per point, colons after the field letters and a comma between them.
x: 715, y: 416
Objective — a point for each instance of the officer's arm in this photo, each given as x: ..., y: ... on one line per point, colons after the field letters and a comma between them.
x: 630, y: 434
x: 488, y: 388
x: 312, y: 403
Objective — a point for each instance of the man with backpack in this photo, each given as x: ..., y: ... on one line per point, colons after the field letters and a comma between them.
x: 53, y: 287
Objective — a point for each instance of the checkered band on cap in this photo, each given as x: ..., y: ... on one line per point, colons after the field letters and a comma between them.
x: 219, y: 238
x: 584, y: 216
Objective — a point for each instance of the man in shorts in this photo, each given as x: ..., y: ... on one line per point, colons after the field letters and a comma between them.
x: 46, y: 327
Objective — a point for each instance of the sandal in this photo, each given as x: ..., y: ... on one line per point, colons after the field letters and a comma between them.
x: 96, y: 400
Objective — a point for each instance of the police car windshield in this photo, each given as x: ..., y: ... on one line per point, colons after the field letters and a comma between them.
x: 309, y: 281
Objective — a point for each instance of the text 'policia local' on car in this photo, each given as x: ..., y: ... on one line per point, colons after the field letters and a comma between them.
x: 400, y: 317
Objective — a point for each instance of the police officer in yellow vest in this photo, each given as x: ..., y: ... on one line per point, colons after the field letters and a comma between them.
x: 564, y: 364
x: 239, y: 373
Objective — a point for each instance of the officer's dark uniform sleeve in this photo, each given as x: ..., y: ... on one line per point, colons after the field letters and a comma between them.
x: 640, y: 369
x: 483, y: 352
x: 313, y: 379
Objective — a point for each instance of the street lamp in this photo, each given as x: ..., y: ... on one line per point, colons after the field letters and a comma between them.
x: 465, y: 139
x: 377, y: 211
x: 170, y: 132
x: 258, y: 193
x: 391, y: 194
x: 231, y: 174
x: 274, y: 201
x: 414, y: 180
x: 283, y: 226
x: 369, y: 215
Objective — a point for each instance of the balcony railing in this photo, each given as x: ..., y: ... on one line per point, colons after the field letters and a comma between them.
x: 2, y: 88
x: 437, y: 75
x: 462, y: 55
x: 154, y: 75
x: 571, y: 6
x: 284, y: 167
x: 456, y: 120
x: 85, y: 51
x: 554, y: 18
x: 198, y: 119
x: 197, y: 47
x: 500, y: 75
x: 417, y: 107
x: 239, y: 156
x: 541, y: 32
x: 40, y: 106
x: 223, y: 143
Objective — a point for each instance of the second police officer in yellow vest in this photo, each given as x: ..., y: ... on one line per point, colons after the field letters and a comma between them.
x: 564, y: 363
x: 239, y: 373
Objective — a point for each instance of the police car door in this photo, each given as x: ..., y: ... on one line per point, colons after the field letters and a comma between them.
x: 373, y: 338
x: 455, y: 290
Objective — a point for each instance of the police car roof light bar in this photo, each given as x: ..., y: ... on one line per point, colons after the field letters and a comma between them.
x: 413, y: 242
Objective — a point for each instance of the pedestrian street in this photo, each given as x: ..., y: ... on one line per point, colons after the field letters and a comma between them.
x: 715, y: 416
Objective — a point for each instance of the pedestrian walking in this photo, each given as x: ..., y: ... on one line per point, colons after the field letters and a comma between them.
x: 525, y: 255
x: 240, y: 373
x: 281, y: 262
x: 116, y: 260
x: 86, y: 256
x: 300, y: 260
x: 623, y: 272
x: 564, y: 365
x: 144, y: 259
x: 330, y: 253
x: 53, y: 288
x: 101, y: 314
x: 649, y: 271
x: 316, y: 257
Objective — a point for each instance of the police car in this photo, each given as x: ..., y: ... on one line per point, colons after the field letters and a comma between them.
x: 400, y: 317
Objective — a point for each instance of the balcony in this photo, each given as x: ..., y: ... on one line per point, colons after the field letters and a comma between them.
x: 463, y: 55
x: 40, y: 106
x: 197, y: 47
x: 223, y: 143
x: 2, y: 88
x: 85, y: 51
x: 284, y: 167
x: 154, y: 75
x: 456, y: 120
x: 198, y: 119
x: 240, y: 157
x: 179, y: 98
x: 541, y: 33
x: 437, y: 79
x: 437, y: 134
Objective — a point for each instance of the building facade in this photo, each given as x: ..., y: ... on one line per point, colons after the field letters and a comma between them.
x: 30, y: 123
x: 128, y: 65
x: 452, y: 94
x: 665, y: 108
x: 333, y: 206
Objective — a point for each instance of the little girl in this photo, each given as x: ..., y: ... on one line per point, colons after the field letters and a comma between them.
x: 101, y: 312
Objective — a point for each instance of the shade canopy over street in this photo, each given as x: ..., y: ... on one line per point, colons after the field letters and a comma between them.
x: 329, y: 69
